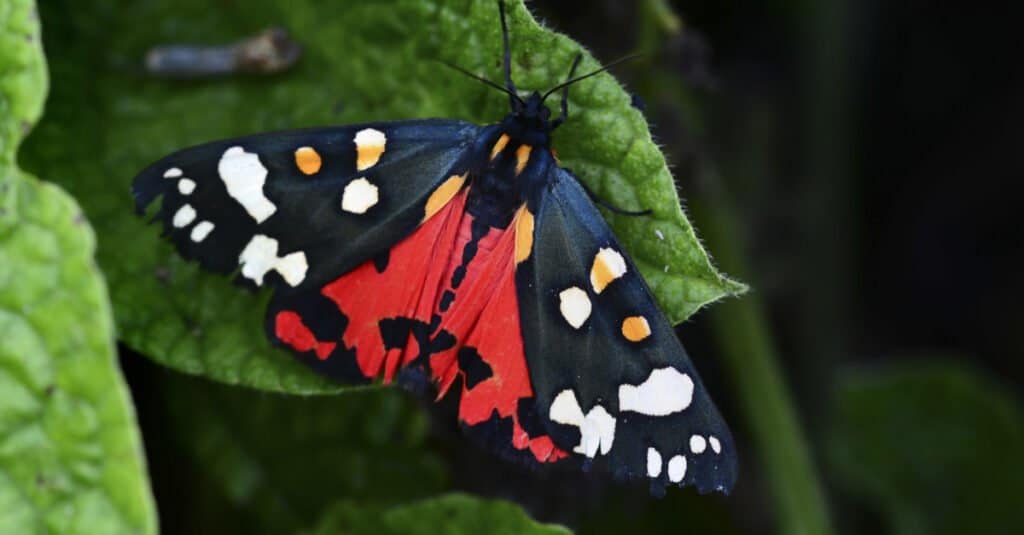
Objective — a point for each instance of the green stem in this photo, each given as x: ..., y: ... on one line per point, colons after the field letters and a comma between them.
x: 743, y: 337
x: 746, y: 346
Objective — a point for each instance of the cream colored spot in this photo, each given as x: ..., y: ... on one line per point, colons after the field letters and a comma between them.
x: 524, y: 234
x: 716, y: 446
x: 575, y: 306
x: 698, y: 444
x: 635, y: 328
x: 522, y: 157
x: 184, y: 216
x: 186, y: 186
x: 173, y: 172
x: 597, y: 427
x: 307, y: 159
x: 608, y: 266
x: 665, y: 391
x: 244, y: 177
x: 260, y: 256
x: 201, y: 231
x: 565, y: 409
x: 359, y: 196
x: 676, y: 468
x: 369, y: 147
x: 597, y: 432
x: 653, y: 463
x: 499, y: 146
x: 444, y: 193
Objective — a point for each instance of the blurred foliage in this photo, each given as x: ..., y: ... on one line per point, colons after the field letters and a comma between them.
x: 932, y: 446
x: 366, y: 61
x: 70, y: 457
x: 453, y: 514
x: 278, y: 461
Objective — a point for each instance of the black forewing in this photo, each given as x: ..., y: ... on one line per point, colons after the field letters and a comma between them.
x: 596, y: 359
x: 307, y: 216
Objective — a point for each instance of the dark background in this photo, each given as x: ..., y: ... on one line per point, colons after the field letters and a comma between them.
x: 859, y: 156
x: 883, y: 139
x: 866, y: 152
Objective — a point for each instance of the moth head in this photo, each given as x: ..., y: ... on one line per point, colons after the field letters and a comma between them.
x: 532, y: 112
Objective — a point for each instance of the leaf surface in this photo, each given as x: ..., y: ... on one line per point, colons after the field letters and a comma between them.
x: 70, y: 454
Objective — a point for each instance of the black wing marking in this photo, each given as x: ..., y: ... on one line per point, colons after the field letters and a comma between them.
x: 295, y: 209
x: 613, y: 384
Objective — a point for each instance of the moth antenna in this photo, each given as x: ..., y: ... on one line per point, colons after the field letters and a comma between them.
x: 565, y: 95
x: 481, y: 79
x: 507, y: 63
x: 588, y: 75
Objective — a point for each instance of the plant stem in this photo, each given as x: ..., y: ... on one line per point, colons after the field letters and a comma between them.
x: 746, y: 346
x: 742, y: 335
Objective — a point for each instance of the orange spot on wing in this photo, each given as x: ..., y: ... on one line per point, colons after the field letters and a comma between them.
x: 443, y: 194
x: 601, y: 275
x: 522, y: 157
x: 635, y: 328
x: 499, y: 146
x: 307, y: 160
x: 524, y: 234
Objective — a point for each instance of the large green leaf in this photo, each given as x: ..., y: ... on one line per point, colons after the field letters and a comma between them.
x: 934, y: 447
x: 363, y: 61
x: 70, y: 456
x: 452, y: 514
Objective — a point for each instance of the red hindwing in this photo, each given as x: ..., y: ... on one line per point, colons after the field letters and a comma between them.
x: 434, y: 305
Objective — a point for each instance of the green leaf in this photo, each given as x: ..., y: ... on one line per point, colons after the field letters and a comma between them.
x: 280, y: 461
x: 934, y: 447
x: 452, y: 514
x: 70, y: 455
x: 363, y: 61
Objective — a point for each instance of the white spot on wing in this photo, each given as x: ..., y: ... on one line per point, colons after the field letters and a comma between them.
x: 597, y: 427
x: 659, y: 234
x: 565, y: 409
x: 173, y: 172
x: 184, y: 216
x: 244, y: 177
x: 676, y: 468
x: 359, y: 196
x: 370, y: 145
x: 186, y: 186
x: 664, y: 392
x: 575, y: 306
x: 653, y: 463
x: 260, y: 256
x: 608, y: 266
x: 697, y: 444
x: 715, y: 444
x: 201, y: 231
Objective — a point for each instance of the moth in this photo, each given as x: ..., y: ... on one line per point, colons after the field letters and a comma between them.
x: 455, y: 259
